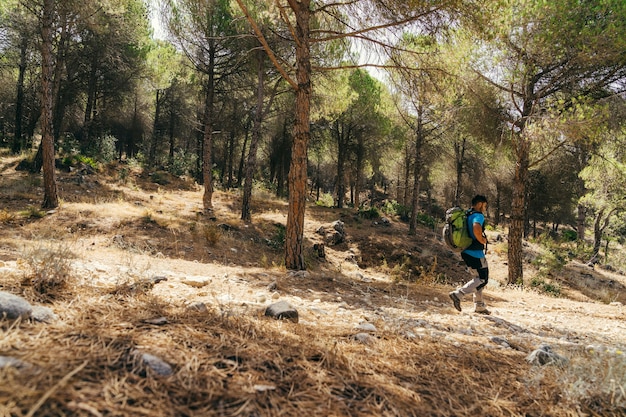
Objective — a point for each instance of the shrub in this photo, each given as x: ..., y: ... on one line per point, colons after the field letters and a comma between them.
x: 369, y: 213
x: 278, y: 240
x: 325, y: 200
x: 50, y: 270
x: 211, y: 234
x: 33, y: 212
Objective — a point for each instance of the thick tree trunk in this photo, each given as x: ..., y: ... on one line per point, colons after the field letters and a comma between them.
x: 294, y: 234
x: 51, y: 199
x: 516, y: 230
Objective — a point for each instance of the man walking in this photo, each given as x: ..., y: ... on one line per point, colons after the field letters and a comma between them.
x: 474, y: 257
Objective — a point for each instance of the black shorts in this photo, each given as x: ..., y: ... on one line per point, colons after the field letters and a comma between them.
x: 479, y: 264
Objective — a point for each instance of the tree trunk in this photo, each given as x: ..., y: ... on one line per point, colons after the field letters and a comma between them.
x: 254, y: 144
x: 407, y: 176
x: 360, y: 156
x: 207, y: 143
x: 18, y: 136
x: 51, y: 199
x: 155, y: 129
x: 243, y: 155
x: 459, y: 154
x: 417, y: 171
x: 91, y: 101
x: 516, y: 230
x: 294, y: 234
x: 342, y: 150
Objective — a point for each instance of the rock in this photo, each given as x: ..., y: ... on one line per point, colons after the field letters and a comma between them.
x: 43, y: 314
x: 13, y: 307
x: 156, y: 364
x: 198, y: 306
x: 366, y: 327
x: 298, y: 274
x: 10, y: 362
x: 364, y: 338
x: 282, y: 310
x: 157, y: 321
x: 196, y: 282
x: 544, y: 355
x: 500, y: 341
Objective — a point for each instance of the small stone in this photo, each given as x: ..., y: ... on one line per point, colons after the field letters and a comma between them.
x: 156, y: 364
x: 43, y: 314
x: 366, y: 327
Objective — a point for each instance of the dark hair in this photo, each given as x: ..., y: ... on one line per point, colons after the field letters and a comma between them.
x: 479, y: 199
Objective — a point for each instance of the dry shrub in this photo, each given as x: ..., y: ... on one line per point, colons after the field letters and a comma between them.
x: 49, y: 270
x: 6, y: 216
x: 211, y: 234
x: 596, y: 376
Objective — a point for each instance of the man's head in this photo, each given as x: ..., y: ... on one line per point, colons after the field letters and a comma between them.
x: 479, y: 203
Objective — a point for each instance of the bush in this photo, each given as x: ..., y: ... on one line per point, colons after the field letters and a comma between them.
x: 369, y: 213
x: 325, y: 200
x: 393, y: 208
x: 49, y: 270
x: 569, y: 235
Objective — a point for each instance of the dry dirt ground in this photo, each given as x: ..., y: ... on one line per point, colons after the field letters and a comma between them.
x: 376, y: 335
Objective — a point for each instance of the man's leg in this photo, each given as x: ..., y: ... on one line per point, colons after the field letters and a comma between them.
x: 475, y: 286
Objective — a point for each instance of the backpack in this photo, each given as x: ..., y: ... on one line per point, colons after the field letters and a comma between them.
x: 455, y: 230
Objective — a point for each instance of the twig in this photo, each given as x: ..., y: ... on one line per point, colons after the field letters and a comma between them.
x: 56, y: 386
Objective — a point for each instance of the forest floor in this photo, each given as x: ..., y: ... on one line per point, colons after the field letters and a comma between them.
x: 130, y: 266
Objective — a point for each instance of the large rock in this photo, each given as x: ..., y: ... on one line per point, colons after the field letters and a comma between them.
x: 13, y: 307
x: 282, y: 310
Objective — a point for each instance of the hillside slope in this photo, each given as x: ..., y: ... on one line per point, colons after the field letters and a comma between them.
x: 131, y: 267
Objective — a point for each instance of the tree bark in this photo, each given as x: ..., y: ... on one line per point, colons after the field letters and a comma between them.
x: 516, y: 229
x: 294, y: 234
x: 417, y: 171
x: 155, y: 128
x: 342, y: 150
x: 207, y: 142
x: 459, y: 154
x: 18, y: 140
x: 254, y: 145
x: 51, y: 199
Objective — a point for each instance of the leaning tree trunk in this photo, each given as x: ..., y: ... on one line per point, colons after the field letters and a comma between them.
x: 516, y: 229
x: 51, y: 199
x: 294, y: 234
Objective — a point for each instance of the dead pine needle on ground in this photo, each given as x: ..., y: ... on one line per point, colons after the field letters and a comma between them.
x: 133, y: 270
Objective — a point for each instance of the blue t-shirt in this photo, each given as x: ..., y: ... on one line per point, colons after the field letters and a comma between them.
x: 476, y: 217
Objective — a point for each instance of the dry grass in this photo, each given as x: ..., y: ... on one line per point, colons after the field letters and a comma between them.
x: 229, y: 360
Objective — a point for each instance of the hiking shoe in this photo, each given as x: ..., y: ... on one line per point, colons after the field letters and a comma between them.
x: 456, y: 300
x: 481, y: 309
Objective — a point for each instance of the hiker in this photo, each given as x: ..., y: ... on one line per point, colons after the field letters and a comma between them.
x: 474, y: 257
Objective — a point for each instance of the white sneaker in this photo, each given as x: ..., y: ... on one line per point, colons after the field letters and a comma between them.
x: 480, y: 308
